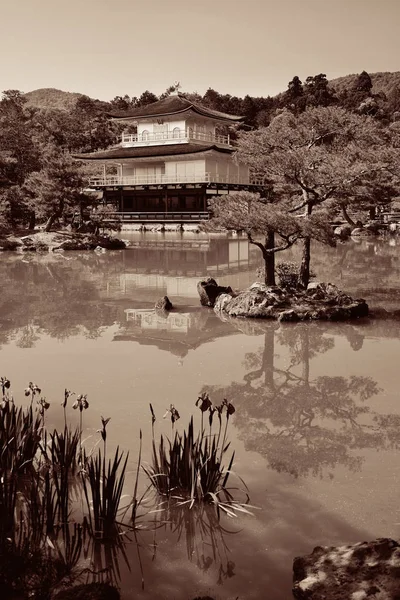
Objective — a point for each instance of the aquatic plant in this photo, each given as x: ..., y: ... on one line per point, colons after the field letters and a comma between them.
x: 32, y: 390
x: 82, y: 403
x: 67, y: 394
x: 190, y: 467
x: 105, y: 482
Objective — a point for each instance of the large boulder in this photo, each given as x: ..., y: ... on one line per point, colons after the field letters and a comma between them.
x: 343, y: 231
x: 323, y: 301
x: 357, y: 572
x: 89, y: 591
x: 209, y: 290
x: 164, y: 304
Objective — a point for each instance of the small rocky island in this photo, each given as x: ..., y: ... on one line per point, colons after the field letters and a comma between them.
x: 59, y: 241
x: 320, y: 301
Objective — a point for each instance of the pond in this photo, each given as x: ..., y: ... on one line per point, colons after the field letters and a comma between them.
x: 317, y: 424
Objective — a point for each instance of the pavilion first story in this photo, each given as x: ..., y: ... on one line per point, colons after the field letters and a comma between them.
x: 181, y: 203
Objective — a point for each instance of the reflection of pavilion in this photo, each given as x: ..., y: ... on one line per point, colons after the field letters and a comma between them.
x: 177, y: 332
x: 152, y: 320
x: 172, y: 265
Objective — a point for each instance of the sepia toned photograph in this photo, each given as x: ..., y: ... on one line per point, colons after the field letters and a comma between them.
x: 200, y: 300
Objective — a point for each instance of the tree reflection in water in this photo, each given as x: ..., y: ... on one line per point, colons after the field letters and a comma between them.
x: 54, y: 295
x: 304, y: 425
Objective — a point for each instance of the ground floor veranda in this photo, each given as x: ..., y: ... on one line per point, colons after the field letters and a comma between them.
x: 180, y: 203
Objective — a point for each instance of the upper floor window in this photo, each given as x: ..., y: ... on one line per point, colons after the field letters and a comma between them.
x: 176, y: 132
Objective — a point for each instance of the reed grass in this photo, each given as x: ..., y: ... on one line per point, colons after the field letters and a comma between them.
x: 104, y: 479
x: 196, y: 468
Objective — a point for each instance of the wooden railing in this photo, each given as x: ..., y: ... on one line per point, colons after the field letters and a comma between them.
x: 116, y: 180
x: 158, y: 216
x: 129, y: 139
x: 149, y: 179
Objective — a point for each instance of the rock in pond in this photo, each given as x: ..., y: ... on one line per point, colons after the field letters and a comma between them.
x: 163, y: 303
x: 321, y: 301
x: 209, y: 290
x: 357, y: 572
x: 343, y: 231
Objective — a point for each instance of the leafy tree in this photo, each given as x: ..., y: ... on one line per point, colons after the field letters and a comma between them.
x: 146, y: 98
x: 294, y: 98
x: 260, y: 217
x: 57, y: 188
x: 316, y: 160
x: 122, y: 102
x: 363, y: 84
x: 18, y: 154
x: 317, y: 91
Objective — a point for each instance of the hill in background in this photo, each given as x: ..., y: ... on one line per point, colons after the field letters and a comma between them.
x: 381, y: 82
x: 52, y: 98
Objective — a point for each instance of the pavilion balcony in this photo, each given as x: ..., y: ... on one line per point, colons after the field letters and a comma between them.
x: 115, y: 180
x: 176, y: 136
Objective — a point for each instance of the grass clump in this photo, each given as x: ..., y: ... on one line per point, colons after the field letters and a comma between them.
x: 194, y: 468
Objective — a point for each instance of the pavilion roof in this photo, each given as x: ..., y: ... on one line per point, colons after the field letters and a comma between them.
x: 173, y: 105
x: 151, y: 151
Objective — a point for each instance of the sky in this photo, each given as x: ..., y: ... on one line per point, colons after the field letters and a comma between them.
x: 105, y: 48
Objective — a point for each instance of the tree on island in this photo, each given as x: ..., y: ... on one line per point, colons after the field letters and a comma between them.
x: 319, y: 159
x: 268, y: 220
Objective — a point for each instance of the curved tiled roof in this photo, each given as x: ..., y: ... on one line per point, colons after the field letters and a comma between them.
x: 149, y: 151
x: 172, y: 105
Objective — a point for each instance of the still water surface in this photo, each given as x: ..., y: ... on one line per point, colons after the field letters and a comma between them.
x: 317, y: 423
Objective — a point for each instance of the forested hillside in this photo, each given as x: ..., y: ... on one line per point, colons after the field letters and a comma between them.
x: 41, y: 130
x: 51, y: 98
x: 381, y: 82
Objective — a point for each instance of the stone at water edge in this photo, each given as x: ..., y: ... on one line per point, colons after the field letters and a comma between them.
x: 355, y: 572
x: 342, y: 231
x: 209, y: 290
x: 163, y: 303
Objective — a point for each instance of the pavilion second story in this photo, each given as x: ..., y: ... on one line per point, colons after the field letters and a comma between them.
x: 175, y: 120
x: 176, y: 141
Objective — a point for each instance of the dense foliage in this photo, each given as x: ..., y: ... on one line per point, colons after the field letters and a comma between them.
x: 41, y: 129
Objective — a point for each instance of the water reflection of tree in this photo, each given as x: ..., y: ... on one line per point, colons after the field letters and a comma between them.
x: 51, y: 295
x: 366, y: 267
x: 300, y: 423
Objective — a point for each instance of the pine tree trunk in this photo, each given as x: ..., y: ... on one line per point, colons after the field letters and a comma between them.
x: 304, y: 275
x: 32, y: 220
x: 50, y: 222
x: 269, y: 259
x: 347, y: 217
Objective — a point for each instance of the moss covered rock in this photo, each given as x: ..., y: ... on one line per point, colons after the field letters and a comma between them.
x: 357, y: 572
